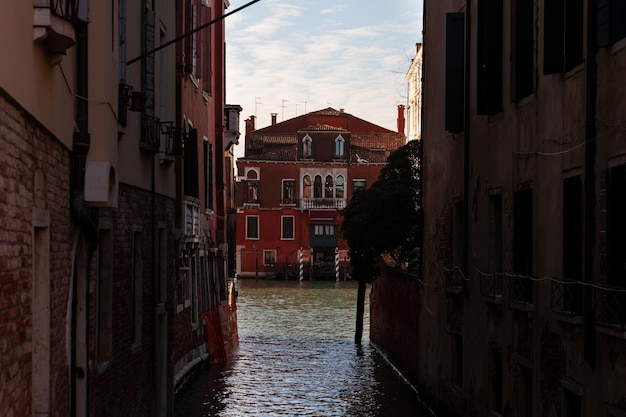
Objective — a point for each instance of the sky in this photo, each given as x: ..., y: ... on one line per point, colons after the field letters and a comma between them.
x: 295, y: 57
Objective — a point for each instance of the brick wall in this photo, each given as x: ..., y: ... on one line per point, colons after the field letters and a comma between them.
x: 28, y: 152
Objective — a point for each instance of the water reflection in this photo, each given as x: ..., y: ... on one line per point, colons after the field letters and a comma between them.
x: 297, y: 358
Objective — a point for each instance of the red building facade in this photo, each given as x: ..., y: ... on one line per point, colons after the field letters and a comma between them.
x: 293, y: 182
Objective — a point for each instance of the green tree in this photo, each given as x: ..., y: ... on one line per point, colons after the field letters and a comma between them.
x: 382, y: 222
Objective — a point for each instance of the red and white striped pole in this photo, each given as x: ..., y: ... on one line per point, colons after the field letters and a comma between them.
x: 336, y: 264
x: 301, y: 264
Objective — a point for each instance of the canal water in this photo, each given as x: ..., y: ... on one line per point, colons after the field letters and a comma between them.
x: 297, y: 357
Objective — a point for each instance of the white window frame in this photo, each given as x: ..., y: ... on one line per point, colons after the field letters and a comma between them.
x: 282, y: 228
x: 258, y: 226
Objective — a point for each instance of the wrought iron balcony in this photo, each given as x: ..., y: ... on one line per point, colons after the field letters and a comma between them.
x: 521, y: 292
x: 455, y: 280
x: 567, y: 298
x: 319, y: 203
x: 491, y: 286
x: 611, y: 307
x: 53, y: 23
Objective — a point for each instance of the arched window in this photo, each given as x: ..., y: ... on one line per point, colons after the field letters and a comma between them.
x: 307, y: 147
x: 339, y: 146
x: 328, y: 187
x: 253, y: 187
x: 306, y: 186
x: 317, y: 187
x: 339, y: 187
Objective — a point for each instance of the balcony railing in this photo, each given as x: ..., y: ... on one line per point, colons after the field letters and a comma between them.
x: 521, y: 292
x: 491, y: 286
x: 567, y: 298
x: 611, y: 307
x: 455, y: 280
x: 318, y: 203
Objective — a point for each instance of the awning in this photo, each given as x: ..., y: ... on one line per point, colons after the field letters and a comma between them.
x: 322, y: 214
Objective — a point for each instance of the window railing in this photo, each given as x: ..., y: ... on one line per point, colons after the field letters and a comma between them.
x: 67, y: 9
x: 150, y: 137
x: 455, y: 279
x: 567, y: 298
x: 315, y: 203
x: 521, y: 291
x: 611, y: 307
x: 491, y: 286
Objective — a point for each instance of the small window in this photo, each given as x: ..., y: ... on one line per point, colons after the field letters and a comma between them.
x: 252, y: 227
x: 269, y: 257
x: 307, y: 147
x: 289, y: 195
x: 457, y: 358
x: 339, y: 146
x: 358, y: 185
x: 287, y: 227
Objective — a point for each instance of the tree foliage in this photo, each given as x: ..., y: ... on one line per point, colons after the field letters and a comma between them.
x: 384, y: 219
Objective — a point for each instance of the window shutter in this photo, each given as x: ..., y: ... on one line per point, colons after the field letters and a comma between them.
x: 489, y: 57
x: 191, y: 164
x: 455, y: 82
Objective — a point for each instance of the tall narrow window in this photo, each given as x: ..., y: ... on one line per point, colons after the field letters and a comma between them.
x: 563, y: 35
x: 339, y: 146
x: 306, y: 187
x: 489, y: 57
x: 289, y: 192
x: 616, y: 226
x: 525, y: 392
x: 208, y: 174
x: 252, y: 227
x: 523, y: 50
x: 328, y: 187
x: 339, y: 186
x: 455, y: 74
x: 204, y: 303
x: 572, y: 404
x: 491, y: 285
x: 317, y: 187
x: 287, y: 229
x: 307, y: 147
x: 252, y: 183
x: 521, y: 285
x: 191, y: 163
x: 571, y: 301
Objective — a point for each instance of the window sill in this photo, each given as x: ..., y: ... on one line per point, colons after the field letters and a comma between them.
x: 495, y: 300
x: 610, y: 330
x: 522, y: 306
x: 578, y: 68
x: 564, y: 317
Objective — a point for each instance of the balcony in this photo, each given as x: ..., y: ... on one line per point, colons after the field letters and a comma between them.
x: 53, y: 24
x: 567, y: 301
x: 611, y: 309
x: 455, y: 279
x: 521, y: 293
x: 491, y: 287
x: 323, y: 203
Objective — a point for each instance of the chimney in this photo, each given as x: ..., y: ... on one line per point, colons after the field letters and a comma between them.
x: 401, y: 119
x: 274, y: 118
x: 250, y: 125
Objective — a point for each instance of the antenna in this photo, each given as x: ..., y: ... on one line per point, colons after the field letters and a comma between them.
x: 256, y: 102
x: 283, y: 106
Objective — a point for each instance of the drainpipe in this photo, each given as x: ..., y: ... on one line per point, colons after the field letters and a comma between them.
x: 81, y: 142
x: 80, y: 148
x: 589, y: 335
x: 466, y: 139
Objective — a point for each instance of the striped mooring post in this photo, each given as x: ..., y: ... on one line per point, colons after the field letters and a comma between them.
x: 301, y: 264
x: 336, y: 264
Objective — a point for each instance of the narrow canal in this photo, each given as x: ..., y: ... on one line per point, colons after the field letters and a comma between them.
x: 297, y: 357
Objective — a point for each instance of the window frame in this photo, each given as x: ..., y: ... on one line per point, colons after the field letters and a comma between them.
x: 249, y: 218
x: 283, y: 229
